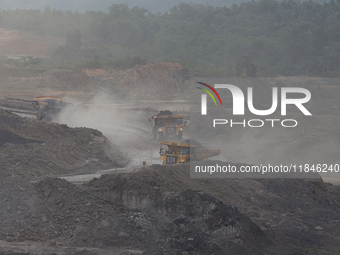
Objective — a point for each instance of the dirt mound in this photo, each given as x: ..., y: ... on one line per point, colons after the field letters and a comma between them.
x: 68, y: 80
x: 157, y: 78
x: 33, y: 148
x: 19, y: 203
x: 285, y: 209
x: 9, y: 137
x: 29, y: 82
x: 161, y: 210
x: 161, y: 79
x: 147, y: 79
x: 72, y: 214
x: 13, y: 44
x: 56, y: 211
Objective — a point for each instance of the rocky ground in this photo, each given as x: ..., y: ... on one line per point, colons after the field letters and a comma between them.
x: 161, y: 210
x: 297, y: 215
x: 34, y: 148
x: 62, y: 214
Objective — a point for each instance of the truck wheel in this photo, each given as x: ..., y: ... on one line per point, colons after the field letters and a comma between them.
x: 159, y: 136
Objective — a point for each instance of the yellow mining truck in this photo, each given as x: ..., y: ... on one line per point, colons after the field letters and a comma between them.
x: 167, y: 125
x: 48, y: 106
x: 184, y: 152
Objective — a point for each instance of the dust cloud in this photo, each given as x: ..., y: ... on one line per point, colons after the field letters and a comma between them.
x: 125, y: 124
x: 278, y: 146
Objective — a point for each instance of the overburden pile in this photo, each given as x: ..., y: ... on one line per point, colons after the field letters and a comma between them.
x: 34, y: 148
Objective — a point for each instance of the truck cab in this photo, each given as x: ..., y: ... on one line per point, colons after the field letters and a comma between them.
x: 167, y: 126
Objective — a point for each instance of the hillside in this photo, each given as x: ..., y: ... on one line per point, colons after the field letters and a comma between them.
x: 254, y: 39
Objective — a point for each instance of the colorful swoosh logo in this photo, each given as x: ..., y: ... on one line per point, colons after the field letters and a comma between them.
x: 208, y: 92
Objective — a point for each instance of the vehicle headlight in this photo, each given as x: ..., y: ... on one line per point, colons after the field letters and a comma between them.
x: 180, y: 128
x: 159, y: 129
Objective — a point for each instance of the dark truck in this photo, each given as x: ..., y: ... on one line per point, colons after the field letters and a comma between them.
x: 48, y: 106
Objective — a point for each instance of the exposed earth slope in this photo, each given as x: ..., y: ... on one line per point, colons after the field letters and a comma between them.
x: 34, y: 148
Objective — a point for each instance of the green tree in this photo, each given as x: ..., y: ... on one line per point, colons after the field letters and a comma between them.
x: 73, y: 40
